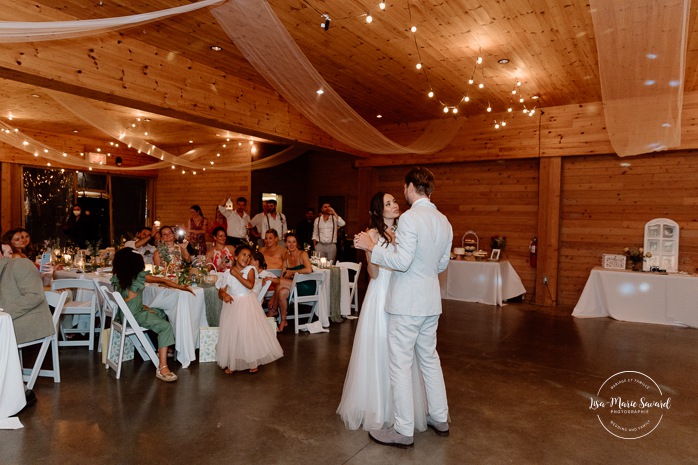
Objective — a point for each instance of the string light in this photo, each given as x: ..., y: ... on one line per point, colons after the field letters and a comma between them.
x: 381, y: 5
x: 369, y: 18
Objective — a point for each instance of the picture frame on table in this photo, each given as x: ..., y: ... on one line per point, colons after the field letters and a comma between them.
x: 494, y: 256
x: 614, y: 262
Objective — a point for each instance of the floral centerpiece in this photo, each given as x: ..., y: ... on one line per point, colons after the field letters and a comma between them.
x: 498, y: 242
x: 636, y: 255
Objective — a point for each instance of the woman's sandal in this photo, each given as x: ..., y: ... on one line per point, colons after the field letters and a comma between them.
x: 166, y: 377
x: 228, y: 371
x: 253, y: 370
x: 282, y: 325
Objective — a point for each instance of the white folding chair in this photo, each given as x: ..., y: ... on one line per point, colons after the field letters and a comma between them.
x: 353, y: 283
x: 106, y: 309
x: 57, y: 301
x: 127, y: 328
x: 313, y: 299
x: 263, y: 292
x: 86, y: 305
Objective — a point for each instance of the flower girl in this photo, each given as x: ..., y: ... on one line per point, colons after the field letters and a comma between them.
x: 244, y: 340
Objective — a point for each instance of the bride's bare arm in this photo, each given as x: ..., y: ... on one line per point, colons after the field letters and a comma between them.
x: 372, y: 269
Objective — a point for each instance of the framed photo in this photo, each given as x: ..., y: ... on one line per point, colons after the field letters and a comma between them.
x: 613, y: 262
x: 494, y: 256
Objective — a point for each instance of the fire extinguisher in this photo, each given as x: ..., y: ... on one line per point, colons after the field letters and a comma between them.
x: 533, y: 248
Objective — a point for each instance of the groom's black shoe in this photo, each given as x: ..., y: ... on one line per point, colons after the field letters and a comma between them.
x: 390, y: 437
x: 439, y: 427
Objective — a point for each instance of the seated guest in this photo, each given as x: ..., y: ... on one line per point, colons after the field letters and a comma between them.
x: 178, y: 252
x: 221, y: 255
x: 144, y: 244
x: 9, y: 250
x: 272, y: 251
x: 22, y: 296
x: 129, y: 280
x: 14, y: 237
x: 295, y: 262
x: 27, y: 246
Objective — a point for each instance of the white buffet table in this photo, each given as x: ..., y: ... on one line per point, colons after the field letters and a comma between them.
x: 185, y: 311
x: 12, y: 398
x: 486, y: 282
x: 640, y: 297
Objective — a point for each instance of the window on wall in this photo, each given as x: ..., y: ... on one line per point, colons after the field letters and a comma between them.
x: 117, y: 205
x: 48, y: 199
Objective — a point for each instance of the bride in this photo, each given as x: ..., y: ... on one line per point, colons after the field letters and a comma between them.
x: 367, y: 398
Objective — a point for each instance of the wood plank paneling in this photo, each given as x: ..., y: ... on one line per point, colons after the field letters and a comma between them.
x: 488, y: 197
x: 605, y: 207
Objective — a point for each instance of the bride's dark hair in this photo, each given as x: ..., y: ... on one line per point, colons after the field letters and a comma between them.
x: 377, y: 207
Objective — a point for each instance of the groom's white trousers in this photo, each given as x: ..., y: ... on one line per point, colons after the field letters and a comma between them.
x: 408, y: 335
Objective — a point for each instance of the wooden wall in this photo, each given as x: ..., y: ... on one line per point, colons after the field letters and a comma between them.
x: 490, y: 198
x: 605, y: 207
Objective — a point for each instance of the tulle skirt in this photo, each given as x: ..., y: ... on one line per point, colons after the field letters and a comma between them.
x: 245, y: 339
x: 367, y: 397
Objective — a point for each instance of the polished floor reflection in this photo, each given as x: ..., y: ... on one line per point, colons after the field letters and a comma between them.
x: 518, y: 381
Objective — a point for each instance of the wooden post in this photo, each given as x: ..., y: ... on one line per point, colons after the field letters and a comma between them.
x: 550, y: 175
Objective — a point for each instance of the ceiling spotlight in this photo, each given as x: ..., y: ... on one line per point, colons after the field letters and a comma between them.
x: 326, y: 24
x: 535, y: 97
x: 419, y: 66
x: 35, y: 95
x: 216, y: 48
x: 503, y: 61
x: 75, y: 131
x: 379, y: 116
x: 369, y: 18
x: 413, y: 29
x: 191, y: 141
x: 320, y: 91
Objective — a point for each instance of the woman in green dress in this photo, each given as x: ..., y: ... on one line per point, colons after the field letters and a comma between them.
x: 129, y: 280
x: 295, y: 261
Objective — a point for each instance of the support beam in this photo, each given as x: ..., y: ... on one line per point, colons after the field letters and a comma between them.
x: 550, y: 186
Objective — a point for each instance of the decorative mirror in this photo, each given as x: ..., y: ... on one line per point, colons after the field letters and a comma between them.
x: 662, y: 241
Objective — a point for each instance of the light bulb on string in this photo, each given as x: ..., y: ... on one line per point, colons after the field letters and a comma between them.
x: 521, y: 100
x: 513, y: 92
x: 369, y: 18
x: 481, y: 85
x: 518, y: 83
x: 470, y: 81
x: 430, y: 94
x: 466, y: 99
x: 454, y: 111
x: 479, y: 60
x: 381, y: 5
x: 489, y: 108
x: 510, y: 109
x: 419, y: 66
x: 496, y: 125
x: 445, y: 109
x: 413, y: 29
x: 504, y: 123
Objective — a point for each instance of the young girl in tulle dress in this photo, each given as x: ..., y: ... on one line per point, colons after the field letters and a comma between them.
x: 244, y: 339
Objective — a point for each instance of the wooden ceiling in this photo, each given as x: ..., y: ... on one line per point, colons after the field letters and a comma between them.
x: 549, y: 44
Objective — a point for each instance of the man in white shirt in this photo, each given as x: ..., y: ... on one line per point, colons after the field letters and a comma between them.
x: 325, y: 230
x: 270, y: 219
x: 143, y: 245
x: 238, y: 221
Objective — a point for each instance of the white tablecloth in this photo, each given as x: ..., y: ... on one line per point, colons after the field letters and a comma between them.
x: 185, y: 311
x: 12, y: 398
x: 483, y: 282
x: 640, y: 297
x: 324, y: 303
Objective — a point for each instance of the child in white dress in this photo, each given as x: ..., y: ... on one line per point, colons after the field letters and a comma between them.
x: 244, y: 339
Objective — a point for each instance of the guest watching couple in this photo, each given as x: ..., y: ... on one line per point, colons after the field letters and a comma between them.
x: 19, y: 238
x: 295, y: 261
x: 272, y: 251
x: 178, y: 251
x: 367, y: 400
x: 221, y: 255
x: 144, y: 244
x: 129, y: 280
x: 238, y: 221
x: 22, y: 296
x: 325, y: 228
x: 414, y: 305
x: 198, y: 224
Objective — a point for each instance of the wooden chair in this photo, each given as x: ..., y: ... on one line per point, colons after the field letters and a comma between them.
x: 57, y: 301
x: 127, y: 328
x: 313, y: 299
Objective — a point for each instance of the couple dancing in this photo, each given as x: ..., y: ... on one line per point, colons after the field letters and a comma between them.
x: 394, y: 382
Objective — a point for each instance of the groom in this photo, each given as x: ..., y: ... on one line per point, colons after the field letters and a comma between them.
x: 414, y: 303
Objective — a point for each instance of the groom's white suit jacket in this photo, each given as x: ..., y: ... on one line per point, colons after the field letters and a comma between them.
x: 423, y: 240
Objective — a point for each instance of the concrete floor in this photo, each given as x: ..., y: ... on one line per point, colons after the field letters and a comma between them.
x: 518, y: 381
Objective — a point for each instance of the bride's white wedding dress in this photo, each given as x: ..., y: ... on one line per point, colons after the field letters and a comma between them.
x: 367, y: 399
